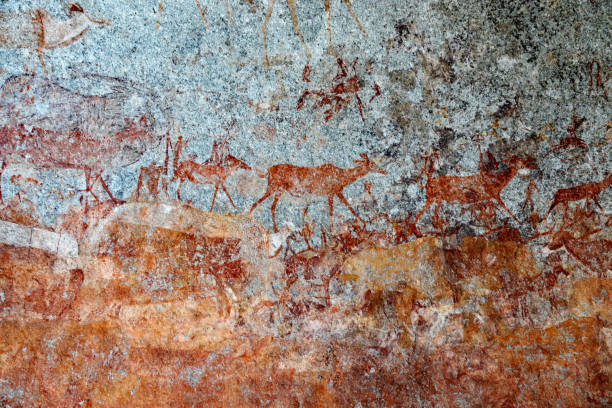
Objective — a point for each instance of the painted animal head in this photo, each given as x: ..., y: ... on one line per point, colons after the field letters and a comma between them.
x: 236, y: 163
x: 369, y: 164
x: 75, y: 10
x: 559, y: 239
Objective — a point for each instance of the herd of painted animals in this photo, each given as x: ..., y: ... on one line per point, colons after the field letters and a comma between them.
x: 80, y: 143
x: 106, y: 135
x: 66, y: 144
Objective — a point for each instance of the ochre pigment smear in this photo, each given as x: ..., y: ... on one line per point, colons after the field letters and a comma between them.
x: 290, y: 204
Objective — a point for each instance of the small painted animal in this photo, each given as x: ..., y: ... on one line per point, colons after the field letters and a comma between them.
x: 197, y: 173
x: 587, y: 191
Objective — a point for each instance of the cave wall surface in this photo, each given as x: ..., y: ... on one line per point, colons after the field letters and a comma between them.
x: 334, y: 203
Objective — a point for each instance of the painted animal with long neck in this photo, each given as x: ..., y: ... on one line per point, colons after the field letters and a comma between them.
x: 325, y: 180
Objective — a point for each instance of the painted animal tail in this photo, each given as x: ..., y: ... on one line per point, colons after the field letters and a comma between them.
x: 259, y: 173
x: 554, y: 204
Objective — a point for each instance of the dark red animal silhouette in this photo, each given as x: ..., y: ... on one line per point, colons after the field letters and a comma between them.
x: 223, y: 166
x: 325, y: 180
x: 587, y: 191
x: 340, y: 93
x: 89, y: 132
x: 476, y: 188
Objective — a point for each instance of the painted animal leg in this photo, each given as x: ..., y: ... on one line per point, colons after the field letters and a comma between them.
x: 330, y: 200
x: 330, y: 49
x: 39, y: 52
x: 499, y: 200
x: 296, y: 27
x: 428, y: 202
x: 2, y: 167
x: 304, y: 214
x: 139, y: 186
x: 260, y: 200
x: 227, y: 11
x: 437, y: 210
x: 89, y: 185
x: 264, y: 29
x: 273, y: 211
x: 165, y: 186
x: 360, y: 105
x: 228, y: 196
x: 202, y: 13
x: 214, y: 197
x: 436, y: 220
x: 105, y: 187
x: 350, y: 8
x: 306, y: 233
x: 594, y: 198
x: 549, y: 210
x: 345, y: 201
x: 178, y: 190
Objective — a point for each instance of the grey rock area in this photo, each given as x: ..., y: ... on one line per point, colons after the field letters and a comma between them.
x: 511, y: 75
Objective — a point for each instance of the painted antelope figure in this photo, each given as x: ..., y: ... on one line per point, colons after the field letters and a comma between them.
x: 213, y: 171
x: 587, y: 191
x: 481, y: 187
x: 325, y: 180
x: 108, y: 131
x: 39, y: 31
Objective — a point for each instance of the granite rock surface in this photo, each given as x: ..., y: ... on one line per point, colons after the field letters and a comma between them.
x: 249, y: 203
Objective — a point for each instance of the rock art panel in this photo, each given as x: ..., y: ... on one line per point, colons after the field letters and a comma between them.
x: 402, y: 204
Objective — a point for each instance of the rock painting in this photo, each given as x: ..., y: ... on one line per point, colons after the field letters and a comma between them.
x: 410, y: 207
